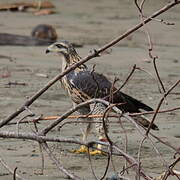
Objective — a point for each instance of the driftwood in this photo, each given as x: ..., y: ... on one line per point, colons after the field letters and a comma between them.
x: 21, y: 6
x: 44, y: 12
x: 19, y: 40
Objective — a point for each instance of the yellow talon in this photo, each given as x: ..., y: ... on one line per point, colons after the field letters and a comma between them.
x: 97, y: 152
x: 82, y: 149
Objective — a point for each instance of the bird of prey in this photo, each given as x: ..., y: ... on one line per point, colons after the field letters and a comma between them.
x: 83, y: 84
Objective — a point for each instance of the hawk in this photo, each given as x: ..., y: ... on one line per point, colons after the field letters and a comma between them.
x: 83, y: 84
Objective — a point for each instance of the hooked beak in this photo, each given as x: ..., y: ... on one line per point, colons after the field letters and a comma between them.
x: 52, y: 48
x: 47, y: 51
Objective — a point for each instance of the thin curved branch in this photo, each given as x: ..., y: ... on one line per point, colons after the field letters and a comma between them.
x: 11, y: 170
x: 159, y: 105
x: 58, y: 164
x: 66, y: 114
x: 43, y: 139
x: 49, y: 118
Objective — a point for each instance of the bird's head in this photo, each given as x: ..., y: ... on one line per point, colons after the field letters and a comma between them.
x: 67, y: 51
x: 63, y: 48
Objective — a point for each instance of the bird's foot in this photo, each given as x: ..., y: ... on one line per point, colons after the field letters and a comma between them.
x: 97, y: 152
x: 82, y: 149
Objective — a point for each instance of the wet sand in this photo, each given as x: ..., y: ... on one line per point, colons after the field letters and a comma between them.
x: 92, y: 23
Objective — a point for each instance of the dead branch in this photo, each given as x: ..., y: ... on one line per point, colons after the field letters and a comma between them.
x: 140, y: 8
x: 40, y: 150
x: 90, y: 161
x: 168, y: 144
x: 170, y: 171
x: 58, y: 164
x: 11, y: 170
x: 141, y: 131
x: 42, y: 139
x: 108, y: 139
x: 14, y: 175
x: 48, y: 118
x: 156, y: 79
x: 9, y: 84
x: 65, y: 115
x: 157, y: 74
x: 133, y: 162
x: 159, y: 105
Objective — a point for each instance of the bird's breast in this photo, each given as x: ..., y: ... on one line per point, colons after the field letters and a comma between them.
x: 70, y: 87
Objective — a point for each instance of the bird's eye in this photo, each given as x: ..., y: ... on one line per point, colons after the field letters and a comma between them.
x: 60, y: 46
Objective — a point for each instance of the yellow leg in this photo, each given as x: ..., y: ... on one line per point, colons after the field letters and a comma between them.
x: 83, y: 149
x: 97, y: 152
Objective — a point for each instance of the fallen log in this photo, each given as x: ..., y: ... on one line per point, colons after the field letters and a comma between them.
x: 19, y: 40
x: 21, y: 6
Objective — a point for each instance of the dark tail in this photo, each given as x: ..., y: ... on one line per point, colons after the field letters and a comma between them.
x: 132, y: 105
x: 144, y: 121
x: 137, y: 103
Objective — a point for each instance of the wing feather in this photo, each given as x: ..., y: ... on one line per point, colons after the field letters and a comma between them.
x: 97, y: 85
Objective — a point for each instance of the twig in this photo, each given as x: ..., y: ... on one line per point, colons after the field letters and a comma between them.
x: 159, y: 105
x: 126, y: 140
x: 157, y: 74
x: 47, y: 118
x: 126, y: 169
x: 139, y: 155
x: 14, y: 174
x: 92, y: 169
x: 169, y: 172
x: 133, y: 162
x: 107, y: 165
x: 108, y: 139
x: 140, y: 130
x: 163, y: 21
x: 149, y: 41
x: 140, y: 8
x: 58, y: 164
x: 16, y: 84
x: 42, y: 139
x: 65, y: 115
x: 128, y: 77
x: 40, y: 150
x: 96, y: 82
x: 10, y: 170
x: 157, y: 81
x: 111, y: 95
x: 125, y: 82
x: 165, y: 143
x: 31, y: 114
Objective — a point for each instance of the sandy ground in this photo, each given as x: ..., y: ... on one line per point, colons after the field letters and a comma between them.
x: 92, y: 23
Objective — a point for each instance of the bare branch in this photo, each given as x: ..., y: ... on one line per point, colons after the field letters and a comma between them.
x: 157, y: 74
x: 159, y: 105
x: 48, y: 118
x: 11, y: 170
x: 58, y: 164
